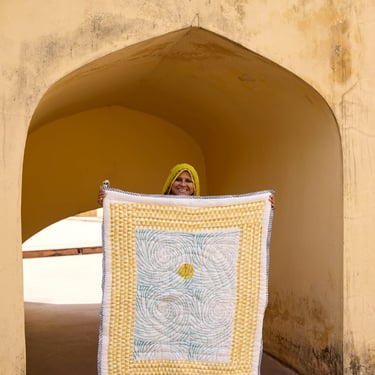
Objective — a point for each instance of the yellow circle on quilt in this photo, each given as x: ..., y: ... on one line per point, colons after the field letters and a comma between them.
x: 186, y: 271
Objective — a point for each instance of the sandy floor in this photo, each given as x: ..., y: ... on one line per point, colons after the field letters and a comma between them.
x: 62, y: 305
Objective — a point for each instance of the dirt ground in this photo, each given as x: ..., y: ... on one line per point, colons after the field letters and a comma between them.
x: 62, y: 307
x: 63, y: 339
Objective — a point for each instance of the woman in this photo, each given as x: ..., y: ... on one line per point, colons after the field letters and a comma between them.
x: 182, y: 180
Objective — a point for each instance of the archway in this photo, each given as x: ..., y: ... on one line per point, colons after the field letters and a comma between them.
x: 245, y: 122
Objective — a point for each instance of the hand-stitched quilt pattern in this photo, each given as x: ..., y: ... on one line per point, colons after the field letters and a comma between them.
x: 184, y: 284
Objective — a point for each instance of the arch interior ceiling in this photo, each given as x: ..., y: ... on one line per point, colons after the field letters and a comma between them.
x: 192, y: 78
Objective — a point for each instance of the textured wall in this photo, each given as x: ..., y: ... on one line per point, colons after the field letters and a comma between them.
x: 327, y: 44
x: 67, y: 159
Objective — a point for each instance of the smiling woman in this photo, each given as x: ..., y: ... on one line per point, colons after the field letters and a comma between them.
x: 183, y: 185
x: 182, y: 180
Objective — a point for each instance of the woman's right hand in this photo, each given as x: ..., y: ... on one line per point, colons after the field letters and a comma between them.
x: 101, y: 195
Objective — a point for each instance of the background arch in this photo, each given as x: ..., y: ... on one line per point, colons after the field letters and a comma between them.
x: 245, y: 122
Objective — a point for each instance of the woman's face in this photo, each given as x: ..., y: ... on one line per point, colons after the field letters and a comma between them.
x: 183, y: 185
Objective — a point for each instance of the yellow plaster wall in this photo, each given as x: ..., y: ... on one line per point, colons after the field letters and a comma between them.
x: 328, y: 44
x: 66, y: 161
x: 355, y: 109
x: 300, y: 158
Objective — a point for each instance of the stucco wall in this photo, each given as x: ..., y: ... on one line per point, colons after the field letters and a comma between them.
x: 328, y: 44
x: 73, y: 155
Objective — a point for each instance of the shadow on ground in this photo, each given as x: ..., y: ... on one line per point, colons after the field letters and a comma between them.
x: 63, y: 339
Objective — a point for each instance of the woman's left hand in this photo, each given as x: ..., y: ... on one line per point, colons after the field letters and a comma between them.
x: 272, y: 200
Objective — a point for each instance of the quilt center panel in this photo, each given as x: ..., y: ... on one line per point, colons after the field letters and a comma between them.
x: 185, y: 294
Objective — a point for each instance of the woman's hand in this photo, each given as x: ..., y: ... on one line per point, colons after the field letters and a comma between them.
x: 101, y: 195
x: 272, y: 200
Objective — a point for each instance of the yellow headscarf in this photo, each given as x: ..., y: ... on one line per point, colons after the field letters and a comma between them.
x: 176, y: 171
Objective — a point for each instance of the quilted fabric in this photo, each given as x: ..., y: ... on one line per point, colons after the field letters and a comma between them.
x: 184, y: 283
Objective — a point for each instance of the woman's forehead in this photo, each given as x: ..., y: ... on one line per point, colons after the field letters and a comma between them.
x: 185, y: 173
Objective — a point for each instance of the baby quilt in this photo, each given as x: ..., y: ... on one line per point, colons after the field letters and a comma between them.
x: 185, y: 283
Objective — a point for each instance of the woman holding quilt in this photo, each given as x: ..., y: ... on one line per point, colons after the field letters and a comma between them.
x: 182, y: 180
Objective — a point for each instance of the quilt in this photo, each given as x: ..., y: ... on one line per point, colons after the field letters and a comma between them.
x: 185, y: 283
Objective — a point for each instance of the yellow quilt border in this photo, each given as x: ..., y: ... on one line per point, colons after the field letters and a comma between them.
x: 125, y: 218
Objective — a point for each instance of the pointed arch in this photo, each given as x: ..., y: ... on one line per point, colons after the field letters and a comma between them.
x: 245, y: 122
